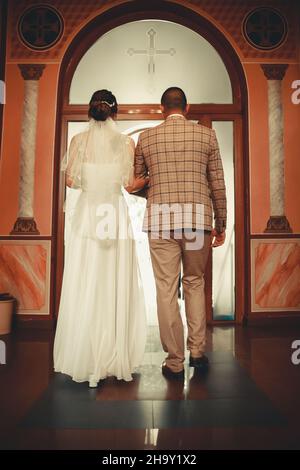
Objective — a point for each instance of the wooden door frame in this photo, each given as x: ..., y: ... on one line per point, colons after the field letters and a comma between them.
x: 237, y: 111
x: 3, y: 31
x: 240, y: 241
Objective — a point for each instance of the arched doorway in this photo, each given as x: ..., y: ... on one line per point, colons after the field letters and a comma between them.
x: 232, y: 111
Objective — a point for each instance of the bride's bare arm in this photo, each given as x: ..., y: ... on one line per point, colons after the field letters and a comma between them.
x: 70, y: 170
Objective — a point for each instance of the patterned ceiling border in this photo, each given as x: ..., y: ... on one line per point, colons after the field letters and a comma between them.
x: 228, y: 14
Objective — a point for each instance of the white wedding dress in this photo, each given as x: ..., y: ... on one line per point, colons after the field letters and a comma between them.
x: 101, y: 329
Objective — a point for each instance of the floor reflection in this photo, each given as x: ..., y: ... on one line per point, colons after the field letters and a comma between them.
x: 249, y: 398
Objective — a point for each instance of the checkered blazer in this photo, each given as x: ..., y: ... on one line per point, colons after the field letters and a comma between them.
x: 184, y: 165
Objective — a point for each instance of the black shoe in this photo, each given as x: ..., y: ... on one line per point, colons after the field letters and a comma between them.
x: 169, y: 374
x: 199, y: 362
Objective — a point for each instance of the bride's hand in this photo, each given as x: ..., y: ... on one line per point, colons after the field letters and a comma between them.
x: 137, y: 184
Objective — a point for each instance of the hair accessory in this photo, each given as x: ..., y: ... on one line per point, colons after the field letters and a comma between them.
x: 111, y: 105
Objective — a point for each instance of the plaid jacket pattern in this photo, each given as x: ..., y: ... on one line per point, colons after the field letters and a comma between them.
x: 185, y: 169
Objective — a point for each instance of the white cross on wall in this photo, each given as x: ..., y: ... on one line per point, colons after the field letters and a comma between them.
x: 151, y: 52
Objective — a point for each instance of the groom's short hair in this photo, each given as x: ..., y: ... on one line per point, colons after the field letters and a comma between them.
x: 174, y: 98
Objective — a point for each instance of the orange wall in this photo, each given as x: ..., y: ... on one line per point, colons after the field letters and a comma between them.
x: 45, y: 148
x: 9, y: 177
x: 292, y: 149
x: 259, y: 148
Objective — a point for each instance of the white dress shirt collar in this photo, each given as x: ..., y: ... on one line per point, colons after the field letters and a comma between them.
x: 176, y: 115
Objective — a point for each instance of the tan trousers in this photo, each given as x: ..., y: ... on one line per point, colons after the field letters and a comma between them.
x: 166, y: 257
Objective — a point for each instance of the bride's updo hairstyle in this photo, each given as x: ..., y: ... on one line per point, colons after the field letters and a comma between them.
x: 103, y: 105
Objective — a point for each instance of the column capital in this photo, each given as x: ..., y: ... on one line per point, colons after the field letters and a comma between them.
x: 274, y: 71
x: 31, y: 71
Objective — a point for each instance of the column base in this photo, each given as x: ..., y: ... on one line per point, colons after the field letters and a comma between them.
x: 278, y: 224
x: 25, y: 226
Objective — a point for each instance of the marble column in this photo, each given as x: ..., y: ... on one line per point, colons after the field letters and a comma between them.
x: 277, y: 222
x: 25, y: 223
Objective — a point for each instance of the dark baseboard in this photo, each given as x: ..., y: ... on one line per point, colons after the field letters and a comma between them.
x: 222, y: 323
x: 273, y: 319
x: 255, y: 319
x: 30, y: 322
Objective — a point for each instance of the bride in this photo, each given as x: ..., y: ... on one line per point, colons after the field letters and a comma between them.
x: 101, y: 329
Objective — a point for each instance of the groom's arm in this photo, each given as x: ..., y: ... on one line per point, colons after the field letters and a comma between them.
x: 140, y: 168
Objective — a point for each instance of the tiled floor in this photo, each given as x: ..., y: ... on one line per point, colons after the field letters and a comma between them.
x: 249, y: 398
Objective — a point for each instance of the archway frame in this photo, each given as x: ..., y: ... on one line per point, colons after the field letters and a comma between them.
x: 236, y: 112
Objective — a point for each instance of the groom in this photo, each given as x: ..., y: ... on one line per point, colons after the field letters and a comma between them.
x: 185, y: 169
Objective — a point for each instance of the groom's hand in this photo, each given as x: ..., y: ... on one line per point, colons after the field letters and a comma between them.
x: 218, y: 239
